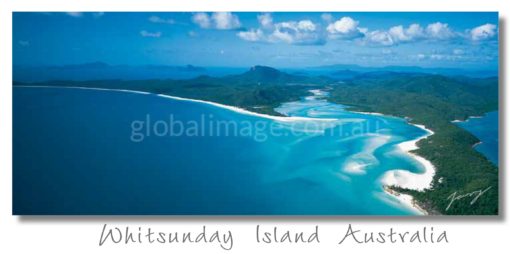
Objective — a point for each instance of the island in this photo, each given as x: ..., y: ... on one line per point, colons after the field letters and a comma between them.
x: 429, y: 100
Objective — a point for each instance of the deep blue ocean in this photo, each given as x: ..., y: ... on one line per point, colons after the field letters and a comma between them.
x: 485, y: 129
x: 95, y: 152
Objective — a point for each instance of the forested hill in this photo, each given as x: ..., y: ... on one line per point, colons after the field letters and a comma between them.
x: 450, y: 98
x: 260, y: 89
x: 266, y: 75
x: 435, y: 101
x: 263, y: 75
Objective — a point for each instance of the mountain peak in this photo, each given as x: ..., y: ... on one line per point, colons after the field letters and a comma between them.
x: 264, y: 73
x: 263, y: 69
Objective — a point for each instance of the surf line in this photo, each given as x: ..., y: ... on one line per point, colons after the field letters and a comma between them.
x: 228, y: 107
x: 142, y: 235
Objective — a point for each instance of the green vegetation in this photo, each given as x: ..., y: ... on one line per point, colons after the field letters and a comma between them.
x: 435, y: 101
x: 261, y: 89
x: 431, y: 100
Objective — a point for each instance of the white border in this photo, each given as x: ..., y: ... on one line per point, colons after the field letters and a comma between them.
x: 71, y: 235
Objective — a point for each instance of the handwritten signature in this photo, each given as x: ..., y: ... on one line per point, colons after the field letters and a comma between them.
x: 474, y: 194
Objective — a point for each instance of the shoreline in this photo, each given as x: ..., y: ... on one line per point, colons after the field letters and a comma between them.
x: 228, y: 107
x: 370, y: 113
x: 247, y: 112
x: 406, y: 200
x: 467, y: 119
x: 407, y: 179
x: 400, y: 177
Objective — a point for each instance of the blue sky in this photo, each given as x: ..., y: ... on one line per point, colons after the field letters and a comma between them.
x: 466, y: 40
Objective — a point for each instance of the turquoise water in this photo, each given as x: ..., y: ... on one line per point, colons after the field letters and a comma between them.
x: 105, y: 152
x: 485, y: 129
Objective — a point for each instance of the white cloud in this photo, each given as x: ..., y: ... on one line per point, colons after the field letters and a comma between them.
x: 439, y: 31
x: 306, y: 25
x: 379, y: 37
x: 414, y: 32
x: 202, y: 19
x: 327, y: 17
x: 411, y: 33
x: 279, y: 35
x: 483, y: 32
x: 145, y: 33
x: 82, y: 14
x: 75, y: 14
x: 252, y: 35
x: 421, y: 56
x: 157, y: 19
x: 344, y: 28
x: 296, y: 32
x: 265, y: 20
x: 398, y: 33
x: 438, y: 57
x: 306, y: 32
x: 218, y: 20
x: 226, y: 20
x: 343, y: 25
x: 303, y: 32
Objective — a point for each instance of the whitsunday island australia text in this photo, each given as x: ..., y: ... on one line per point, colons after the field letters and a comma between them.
x: 268, y: 235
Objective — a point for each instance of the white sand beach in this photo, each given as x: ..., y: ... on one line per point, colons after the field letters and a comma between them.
x: 404, y: 178
x: 407, y: 179
x: 370, y: 113
x: 233, y: 108
x: 467, y: 119
x: 89, y: 88
x: 318, y: 92
x: 247, y: 112
x: 406, y: 200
